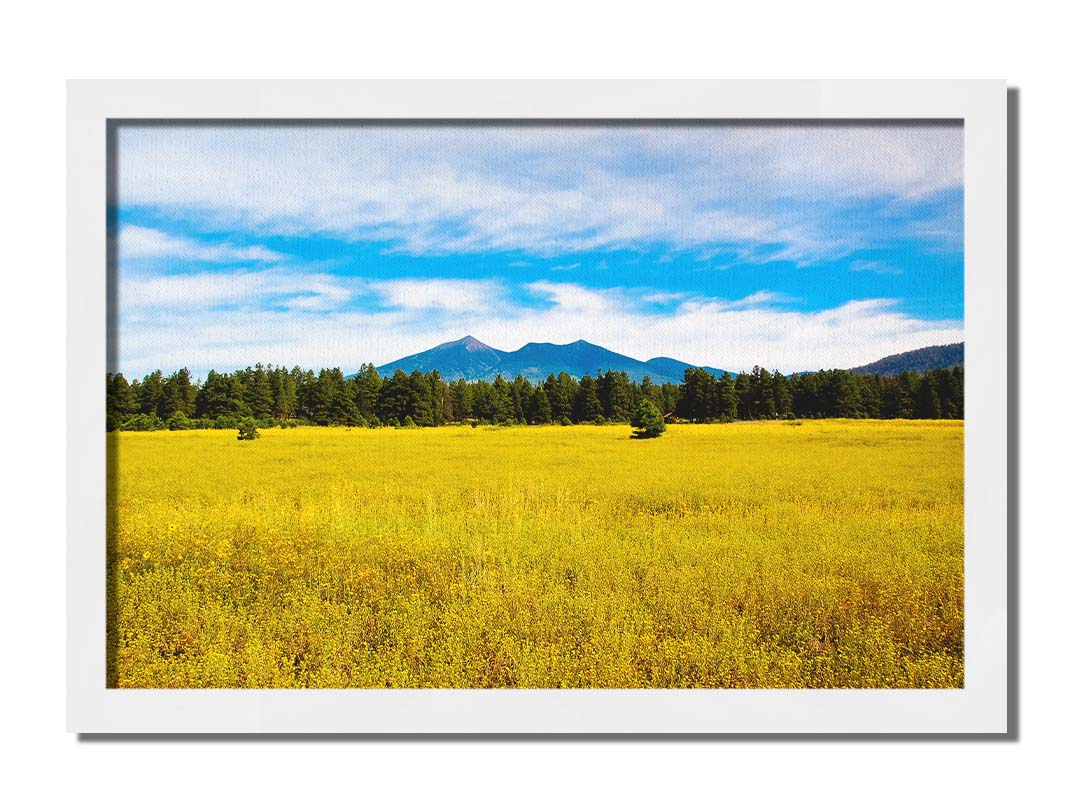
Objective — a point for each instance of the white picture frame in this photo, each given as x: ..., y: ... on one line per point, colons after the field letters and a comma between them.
x: 981, y: 707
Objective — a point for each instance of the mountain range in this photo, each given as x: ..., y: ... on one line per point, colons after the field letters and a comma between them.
x: 473, y: 360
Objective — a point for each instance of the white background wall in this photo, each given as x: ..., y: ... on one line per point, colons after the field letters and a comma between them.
x: 44, y: 45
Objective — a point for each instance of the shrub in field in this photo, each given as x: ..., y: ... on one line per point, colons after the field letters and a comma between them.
x: 143, y: 422
x: 648, y: 420
x: 246, y: 430
x: 179, y: 421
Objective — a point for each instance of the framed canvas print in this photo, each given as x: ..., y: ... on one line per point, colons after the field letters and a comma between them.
x: 538, y: 407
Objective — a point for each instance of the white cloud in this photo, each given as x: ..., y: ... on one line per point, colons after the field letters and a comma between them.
x: 760, y: 298
x: 879, y: 267
x: 907, y: 161
x: 249, y: 289
x: 545, y: 191
x: 662, y: 298
x: 709, y: 331
x: 136, y: 242
x: 573, y: 298
x: 259, y: 291
x: 449, y: 295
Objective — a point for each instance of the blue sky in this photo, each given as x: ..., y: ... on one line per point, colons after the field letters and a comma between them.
x: 795, y: 247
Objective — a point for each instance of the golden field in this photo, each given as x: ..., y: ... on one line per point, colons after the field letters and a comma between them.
x: 824, y: 554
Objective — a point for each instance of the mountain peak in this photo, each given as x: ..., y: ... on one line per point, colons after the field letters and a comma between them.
x: 470, y: 343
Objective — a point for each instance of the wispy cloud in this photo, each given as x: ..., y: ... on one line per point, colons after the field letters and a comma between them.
x: 761, y: 298
x: 471, y: 296
x: 136, y: 242
x: 545, y: 192
x: 662, y: 298
x: 253, y: 290
x: 875, y: 266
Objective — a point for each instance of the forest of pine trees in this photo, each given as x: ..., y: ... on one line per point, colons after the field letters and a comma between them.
x: 279, y: 396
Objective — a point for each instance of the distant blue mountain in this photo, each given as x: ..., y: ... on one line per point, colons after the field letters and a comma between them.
x: 473, y: 360
x: 672, y: 366
x: 925, y: 358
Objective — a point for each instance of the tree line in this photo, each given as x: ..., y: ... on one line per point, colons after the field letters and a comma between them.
x: 280, y: 396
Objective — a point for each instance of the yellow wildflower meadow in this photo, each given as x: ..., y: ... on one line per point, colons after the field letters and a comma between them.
x: 821, y: 554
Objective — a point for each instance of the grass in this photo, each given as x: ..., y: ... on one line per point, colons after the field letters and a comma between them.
x: 826, y: 554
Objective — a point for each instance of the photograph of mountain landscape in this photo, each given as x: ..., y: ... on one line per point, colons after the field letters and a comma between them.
x: 535, y: 405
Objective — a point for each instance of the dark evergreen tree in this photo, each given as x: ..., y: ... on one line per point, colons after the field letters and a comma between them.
x: 482, y: 401
x: 393, y: 398
x: 744, y: 396
x: 283, y: 390
x: 804, y: 390
x: 178, y: 394
x: 151, y: 393
x: 218, y: 397
x: 650, y: 391
x: 568, y: 394
x: 437, y: 398
x: 554, y: 395
x: 782, y: 394
x: 260, y: 396
x: 617, y: 395
x: 727, y: 392
x: 503, y: 409
x: 761, y: 388
x: 120, y: 404
x: 909, y: 390
x: 461, y: 400
x: 587, y: 407
x: 420, y: 404
x: 304, y: 388
x: 842, y: 395
x: 949, y: 393
x: 368, y: 383
x: 521, y: 397
x: 540, y: 410
x: 927, y: 402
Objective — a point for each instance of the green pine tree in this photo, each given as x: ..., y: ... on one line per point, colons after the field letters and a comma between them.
x: 648, y: 420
